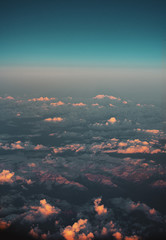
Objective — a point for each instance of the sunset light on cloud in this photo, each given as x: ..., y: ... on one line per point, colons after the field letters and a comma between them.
x: 82, y: 120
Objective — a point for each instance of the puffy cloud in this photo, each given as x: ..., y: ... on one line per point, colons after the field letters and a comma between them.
x: 41, y: 212
x: 4, y: 225
x: 34, y: 233
x: 6, y: 176
x: 72, y: 232
x: 100, y: 209
x: 39, y: 147
x: 17, y: 145
x: 59, y: 103
x: 41, y: 99
x: 112, y: 120
x: 79, y: 104
x: 117, y: 235
x: 54, y: 119
x: 46, y: 209
x: 125, y: 102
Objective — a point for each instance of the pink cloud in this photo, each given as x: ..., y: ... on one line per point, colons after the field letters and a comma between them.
x: 17, y: 145
x: 101, y: 96
x: 154, y: 131
x: 6, y: 176
x: 125, y: 102
x: 100, y: 209
x: 60, y: 103
x: 39, y: 147
x: 95, y: 104
x: 41, y: 99
x: 72, y: 147
x: 9, y: 98
x: 159, y: 183
x: 62, y: 180
x: 134, y: 149
x: 79, y: 104
x: 100, y: 179
x: 55, y: 119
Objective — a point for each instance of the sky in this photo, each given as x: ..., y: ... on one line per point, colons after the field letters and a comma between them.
x: 83, y: 47
x: 82, y: 33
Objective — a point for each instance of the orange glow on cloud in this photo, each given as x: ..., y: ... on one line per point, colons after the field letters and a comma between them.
x: 132, y: 238
x: 79, y: 104
x: 41, y: 99
x: 4, y: 225
x: 6, y: 176
x: 99, y: 208
x: 72, y: 232
x: 55, y: 119
x: 112, y: 120
x: 60, y: 103
x: 39, y: 147
x: 17, y: 145
x: 117, y: 235
x: 45, y: 209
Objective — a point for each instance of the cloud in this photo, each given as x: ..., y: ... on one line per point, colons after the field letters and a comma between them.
x: 17, y: 145
x: 101, y: 96
x: 39, y: 147
x: 117, y: 235
x: 72, y: 147
x: 59, y: 103
x: 134, y: 149
x: 159, y: 183
x: 79, y: 104
x: 129, y: 206
x: 9, y: 98
x: 99, y: 208
x: 134, y: 237
x: 55, y: 119
x: 41, y: 212
x: 112, y: 120
x: 62, y: 180
x: 151, y: 131
x: 4, y: 225
x: 6, y: 176
x: 100, y: 179
x: 41, y: 99
x: 72, y: 232
x: 125, y: 102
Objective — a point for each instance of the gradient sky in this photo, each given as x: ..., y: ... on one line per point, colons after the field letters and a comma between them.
x: 82, y: 33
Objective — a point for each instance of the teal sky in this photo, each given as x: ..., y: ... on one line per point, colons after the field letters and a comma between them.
x: 82, y: 33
